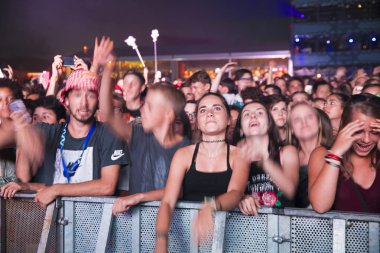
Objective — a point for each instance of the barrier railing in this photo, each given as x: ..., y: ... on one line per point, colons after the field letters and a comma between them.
x: 86, y: 224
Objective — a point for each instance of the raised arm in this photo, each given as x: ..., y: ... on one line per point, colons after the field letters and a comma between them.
x: 30, y: 141
x: 216, y: 81
x: 285, y: 176
x: 323, y: 176
x: 10, y: 71
x: 101, y: 53
x: 105, y: 59
x: 56, y: 72
x: 272, y: 64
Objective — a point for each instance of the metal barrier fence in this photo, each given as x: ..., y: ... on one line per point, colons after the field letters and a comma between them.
x: 86, y: 224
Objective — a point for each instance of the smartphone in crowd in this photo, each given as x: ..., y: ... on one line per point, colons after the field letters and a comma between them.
x: 68, y: 61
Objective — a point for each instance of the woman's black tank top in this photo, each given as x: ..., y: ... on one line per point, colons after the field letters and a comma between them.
x: 198, y: 184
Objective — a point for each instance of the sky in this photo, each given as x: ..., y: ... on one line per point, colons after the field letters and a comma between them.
x: 33, y: 31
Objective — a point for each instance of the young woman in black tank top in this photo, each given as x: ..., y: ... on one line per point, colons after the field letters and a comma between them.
x: 211, y: 168
x: 273, y: 175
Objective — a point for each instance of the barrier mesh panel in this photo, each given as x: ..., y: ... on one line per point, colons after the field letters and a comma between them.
x: 120, y: 239
x: 24, y: 220
x: 311, y: 235
x: 246, y: 233
x: 357, y: 236
x: 179, y: 234
x: 87, y: 219
x: 148, y: 228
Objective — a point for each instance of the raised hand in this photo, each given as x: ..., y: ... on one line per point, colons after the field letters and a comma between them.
x: 56, y: 66
x: 9, y: 70
x: 228, y: 66
x: 102, y: 52
x: 347, y: 136
x: 253, y: 150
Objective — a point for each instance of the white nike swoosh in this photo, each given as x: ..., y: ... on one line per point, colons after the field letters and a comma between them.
x: 115, y: 157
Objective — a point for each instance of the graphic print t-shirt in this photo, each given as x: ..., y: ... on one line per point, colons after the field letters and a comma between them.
x: 262, y: 187
x: 103, y: 149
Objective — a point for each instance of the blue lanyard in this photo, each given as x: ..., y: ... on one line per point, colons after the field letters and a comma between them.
x: 68, y: 172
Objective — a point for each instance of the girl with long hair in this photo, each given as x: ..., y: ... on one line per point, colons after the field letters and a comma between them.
x: 209, y: 169
x: 346, y: 177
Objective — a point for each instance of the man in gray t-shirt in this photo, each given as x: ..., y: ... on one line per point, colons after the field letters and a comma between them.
x: 150, y: 161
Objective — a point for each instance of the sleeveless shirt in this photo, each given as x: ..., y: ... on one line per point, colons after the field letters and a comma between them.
x: 198, y: 184
x: 347, y: 200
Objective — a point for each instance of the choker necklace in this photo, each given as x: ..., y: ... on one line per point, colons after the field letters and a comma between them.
x: 214, y: 141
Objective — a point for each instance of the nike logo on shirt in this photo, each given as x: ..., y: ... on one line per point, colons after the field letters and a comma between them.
x: 116, y: 155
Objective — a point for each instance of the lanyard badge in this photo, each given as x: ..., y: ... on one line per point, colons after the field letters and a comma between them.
x: 70, y: 171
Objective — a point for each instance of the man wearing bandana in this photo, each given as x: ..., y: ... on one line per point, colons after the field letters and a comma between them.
x: 82, y: 157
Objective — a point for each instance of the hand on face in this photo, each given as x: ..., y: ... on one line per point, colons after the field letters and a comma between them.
x: 347, y: 136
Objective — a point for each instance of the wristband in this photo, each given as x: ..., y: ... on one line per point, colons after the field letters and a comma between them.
x: 333, y: 160
x: 333, y: 164
x: 334, y: 156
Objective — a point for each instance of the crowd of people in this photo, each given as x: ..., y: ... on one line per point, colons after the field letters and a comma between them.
x: 228, y: 142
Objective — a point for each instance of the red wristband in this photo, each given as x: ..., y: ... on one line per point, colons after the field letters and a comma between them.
x: 334, y: 156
